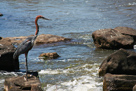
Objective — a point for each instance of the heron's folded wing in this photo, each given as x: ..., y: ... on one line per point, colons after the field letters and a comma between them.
x: 24, y: 47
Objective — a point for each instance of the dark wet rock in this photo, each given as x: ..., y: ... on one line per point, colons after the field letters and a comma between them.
x: 41, y: 39
x: 0, y: 38
x: 7, y: 63
x: 46, y: 56
x: 6, y: 56
x: 20, y: 84
x: 121, y: 71
x: 119, y: 82
x: 120, y: 62
x: 1, y: 14
x: 119, y: 37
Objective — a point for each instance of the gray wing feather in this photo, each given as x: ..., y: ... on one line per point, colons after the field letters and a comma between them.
x: 24, y: 47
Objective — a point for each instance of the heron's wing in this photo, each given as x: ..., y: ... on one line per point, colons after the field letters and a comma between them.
x: 24, y: 47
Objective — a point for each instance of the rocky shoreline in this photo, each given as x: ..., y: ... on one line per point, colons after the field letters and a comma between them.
x: 119, y: 71
x: 119, y: 68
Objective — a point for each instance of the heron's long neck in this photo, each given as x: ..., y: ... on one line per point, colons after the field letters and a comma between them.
x: 37, y: 27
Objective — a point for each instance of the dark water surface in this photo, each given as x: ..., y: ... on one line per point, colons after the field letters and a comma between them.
x: 77, y: 68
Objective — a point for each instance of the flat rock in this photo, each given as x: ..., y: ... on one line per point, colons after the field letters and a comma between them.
x: 41, y: 39
x: 119, y: 82
x: 48, y: 38
x: 120, y: 62
x: 52, y: 55
x: 119, y: 37
x: 20, y: 84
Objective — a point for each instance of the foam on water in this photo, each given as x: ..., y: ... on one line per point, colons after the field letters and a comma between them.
x: 49, y: 71
x: 80, y: 83
x: 2, y: 81
x: 133, y: 3
x: 88, y: 81
x: 5, y: 73
x: 83, y: 83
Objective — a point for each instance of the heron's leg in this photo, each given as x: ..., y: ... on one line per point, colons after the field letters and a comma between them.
x: 26, y: 66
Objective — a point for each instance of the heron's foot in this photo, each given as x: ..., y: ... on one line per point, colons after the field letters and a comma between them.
x: 28, y: 77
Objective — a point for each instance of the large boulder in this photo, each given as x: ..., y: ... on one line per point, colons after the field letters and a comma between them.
x: 6, y: 56
x: 41, y: 39
x: 119, y: 82
x: 119, y: 37
x: 120, y: 62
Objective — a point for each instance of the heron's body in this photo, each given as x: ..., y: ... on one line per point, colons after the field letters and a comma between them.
x: 27, y: 45
x: 24, y: 47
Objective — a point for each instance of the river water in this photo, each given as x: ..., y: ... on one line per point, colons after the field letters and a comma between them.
x: 77, y: 67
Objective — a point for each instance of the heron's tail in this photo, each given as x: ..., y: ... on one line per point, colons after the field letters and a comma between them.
x: 15, y: 56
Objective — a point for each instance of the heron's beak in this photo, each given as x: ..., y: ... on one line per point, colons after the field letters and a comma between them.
x: 45, y: 18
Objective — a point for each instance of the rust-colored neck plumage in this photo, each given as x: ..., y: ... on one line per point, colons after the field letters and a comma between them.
x: 37, y: 27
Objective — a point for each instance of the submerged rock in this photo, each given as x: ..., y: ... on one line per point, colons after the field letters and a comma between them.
x: 119, y: 37
x: 119, y: 82
x: 46, y: 56
x: 120, y: 62
x: 6, y: 56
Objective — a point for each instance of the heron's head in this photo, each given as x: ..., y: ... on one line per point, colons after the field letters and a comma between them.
x: 41, y: 17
